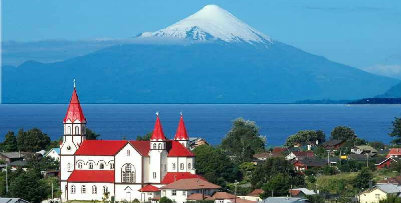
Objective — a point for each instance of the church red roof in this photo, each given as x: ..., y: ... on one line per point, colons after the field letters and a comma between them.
x: 181, y: 133
x: 100, y: 147
x: 92, y: 176
x: 142, y: 147
x: 174, y: 176
x: 74, y: 111
x: 178, y: 150
x: 149, y: 188
x: 158, y: 131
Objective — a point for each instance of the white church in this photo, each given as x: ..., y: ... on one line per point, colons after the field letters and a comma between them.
x: 124, y: 170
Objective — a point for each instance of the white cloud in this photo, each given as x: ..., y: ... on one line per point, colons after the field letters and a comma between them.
x: 393, y: 71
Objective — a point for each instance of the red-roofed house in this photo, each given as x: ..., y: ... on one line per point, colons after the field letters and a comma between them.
x: 127, y: 170
x: 300, y: 155
x: 394, y: 152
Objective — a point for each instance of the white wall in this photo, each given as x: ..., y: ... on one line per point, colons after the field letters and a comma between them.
x: 125, y: 192
x: 88, y: 195
x: 53, y: 154
x: 134, y: 158
x: 186, y: 161
x: 107, y: 161
x: 66, y: 161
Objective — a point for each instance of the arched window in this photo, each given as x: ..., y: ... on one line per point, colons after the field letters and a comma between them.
x: 160, y: 145
x: 94, y: 189
x: 76, y: 130
x: 90, y: 165
x: 69, y: 130
x: 101, y: 166
x: 182, y: 166
x: 128, y: 152
x: 105, y: 189
x: 189, y: 165
x: 79, y: 165
x: 128, y: 173
x: 72, y: 189
x: 173, y: 166
x: 154, y: 145
x: 83, y: 189
x: 68, y: 167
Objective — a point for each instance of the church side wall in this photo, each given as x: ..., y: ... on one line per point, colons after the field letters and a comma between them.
x: 89, y: 193
x: 96, y: 161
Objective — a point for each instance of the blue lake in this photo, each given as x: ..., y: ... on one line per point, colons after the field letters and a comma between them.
x: 210, y: 121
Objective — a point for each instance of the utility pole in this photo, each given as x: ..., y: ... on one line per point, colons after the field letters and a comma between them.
x: 6, y: 178
x: 52, y: 191
x: 328, y: 157
x: 235, y: 192
x: 367, y: 160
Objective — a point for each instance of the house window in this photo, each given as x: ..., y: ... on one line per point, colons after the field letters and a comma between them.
x: 101, y: 166
x: 184, y: 192
x: 105, y: 189
x: 128, y: 173
x: 83, y: 189
x: 90, y: 165
x: 79, y: 165
x: 173, y: 166
x: 377, y: 196
x: 174, y: 192
x: 149, y: 193
x: 189, y: 165
x: 128, y: 153
x: 94, y: 189
x: 72, y: 189
x: 154, y: 175
x: 182, y: 166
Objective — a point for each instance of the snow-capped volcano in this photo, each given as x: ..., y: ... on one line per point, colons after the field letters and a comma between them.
x: 211, y: 23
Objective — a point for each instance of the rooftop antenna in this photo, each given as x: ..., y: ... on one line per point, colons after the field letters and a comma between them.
x: 74, y: 83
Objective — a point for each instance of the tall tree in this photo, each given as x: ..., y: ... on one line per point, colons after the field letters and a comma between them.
x: 278, y: 185
x: 32, y: 140
x: 396, y: 132
x: 343, y: 133
x: 243, y: 140
x: 10, y: 142
x: 91, y: 135
x: 145, y: 137
x: 363, y: 179
x: 215, y: 166
x: 304, y: 137
x: 29, y: 186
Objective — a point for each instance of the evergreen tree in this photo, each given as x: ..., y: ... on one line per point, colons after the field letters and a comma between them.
x: 91, y: 135
x: 363, y: 179
x: 10, y: 142
x: 396, y: 132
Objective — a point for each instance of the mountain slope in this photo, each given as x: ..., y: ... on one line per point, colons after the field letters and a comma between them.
x: 231, y: 65
x: 393, y: 92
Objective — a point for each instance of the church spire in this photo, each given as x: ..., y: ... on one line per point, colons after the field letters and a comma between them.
x: 74, y: 111
x: 158, y: 130
x: 181, y: 133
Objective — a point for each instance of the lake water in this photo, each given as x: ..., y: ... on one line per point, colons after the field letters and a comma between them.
x: 210, y: 121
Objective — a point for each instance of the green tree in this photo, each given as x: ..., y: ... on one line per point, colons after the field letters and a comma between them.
x: 243, y: 140
x: 145, y: 137
x: 10, y: 142
x: 165, y: 200
x: 215, y: 166
x: 29, y: 186
x: 343, y: 133
x: 396, y: 132
x: 278, y: 185
x: 33, y: 140
x: 363, y: 179
x: 91, y: 135
x: 305, y: 137
x: 377, y: 145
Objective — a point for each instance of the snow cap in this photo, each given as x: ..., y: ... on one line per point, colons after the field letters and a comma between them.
x: 158, y: 130
x: 181, y: 133
x: 74, y: 111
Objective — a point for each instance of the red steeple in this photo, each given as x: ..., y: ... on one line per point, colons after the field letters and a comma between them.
x: 181, y: 133
x: 158, y: 130
x: 74, y: 111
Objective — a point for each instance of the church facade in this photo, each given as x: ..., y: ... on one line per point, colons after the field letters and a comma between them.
x: 122, y: 170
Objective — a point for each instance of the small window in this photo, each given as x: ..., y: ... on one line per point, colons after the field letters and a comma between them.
x: 79, y: 165
x: 377, y: 196
x: 69, y: 167
x: 76, y: 130
x: 189, y: 165
x: 105, y: 189
x: 83, y: 189
x: 182, y: 166
x: 174, y: 193
x: 69, y: 130
x: 72, y: 189
x: 101, y: 166
x: 90, y: 165
x: 154, y: 175
x: 94, y: 189
x: 154, y: 145
x: 112, y: 166
x: 149, y: 193
x: 160, y: 145
x: 173, y: 166
x: 128, y: 153
x: 184, y: 192
x: 165, y: 167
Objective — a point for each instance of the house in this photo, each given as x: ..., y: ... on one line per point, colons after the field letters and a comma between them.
x: 12, y: 200
x: 54, y: 153
x: 11, y: 156
x: 364, y: 149
x: 308, y: 163
x: 253, y: 196
x: 378, y: 192
x: 301, y: 192
x: 357, y: 157
x: 300, y: 155
x: 178, y: 191
x: 284, y: 200
x: 394, y: 152
x: 395, y: 181
x: 385, y: 163
x: 333, y: 144
x: 125, y: 169
x: 265, y: 155
x: 196, y: 141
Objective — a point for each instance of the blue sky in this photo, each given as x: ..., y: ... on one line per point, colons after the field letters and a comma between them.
x: 361, y: 33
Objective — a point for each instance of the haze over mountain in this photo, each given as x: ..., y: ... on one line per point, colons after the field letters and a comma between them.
x: 209, y: 57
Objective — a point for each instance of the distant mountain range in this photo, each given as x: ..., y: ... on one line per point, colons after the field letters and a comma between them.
x: 209, y: 57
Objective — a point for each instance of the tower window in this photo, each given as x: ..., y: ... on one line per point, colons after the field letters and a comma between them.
x: 154, y: 175
x: 76, y: 130
x: 160, y: 145
x: 69, y: 130
x: 72, y: 189
x: 173, y: 166
x: 83, y: 189
x: 182, y: 166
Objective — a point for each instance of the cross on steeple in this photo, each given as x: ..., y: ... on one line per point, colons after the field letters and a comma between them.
x: 74, y: 83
